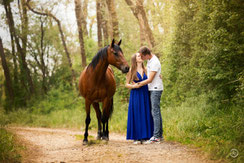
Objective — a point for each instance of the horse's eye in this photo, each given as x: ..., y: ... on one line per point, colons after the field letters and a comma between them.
x: 115, y: 53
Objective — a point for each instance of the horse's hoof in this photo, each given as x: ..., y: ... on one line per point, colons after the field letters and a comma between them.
x: 85, y: 142
x: 99, y: 137
x: 105, y: 138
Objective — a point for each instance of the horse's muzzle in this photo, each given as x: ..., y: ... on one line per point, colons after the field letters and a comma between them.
x: 125, y: 69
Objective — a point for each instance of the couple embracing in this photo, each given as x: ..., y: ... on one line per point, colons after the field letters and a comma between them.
x: 144, y: 124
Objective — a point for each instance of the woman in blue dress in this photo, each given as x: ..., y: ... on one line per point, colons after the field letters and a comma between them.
x: 139, y: 122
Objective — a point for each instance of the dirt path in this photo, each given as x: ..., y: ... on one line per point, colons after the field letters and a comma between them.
x: 61, y: 145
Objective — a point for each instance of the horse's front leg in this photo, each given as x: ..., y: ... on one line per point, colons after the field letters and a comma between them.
x: 88, y: 120
x: 98, y: 113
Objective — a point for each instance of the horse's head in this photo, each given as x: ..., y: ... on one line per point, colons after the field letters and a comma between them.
x: 116, y: 57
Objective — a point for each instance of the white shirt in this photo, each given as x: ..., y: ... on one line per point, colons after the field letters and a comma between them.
x: 154, y: 65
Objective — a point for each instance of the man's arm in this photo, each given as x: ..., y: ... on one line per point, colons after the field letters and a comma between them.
x: 149, y: 80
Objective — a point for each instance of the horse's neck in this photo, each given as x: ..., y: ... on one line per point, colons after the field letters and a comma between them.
x: 100, y: 71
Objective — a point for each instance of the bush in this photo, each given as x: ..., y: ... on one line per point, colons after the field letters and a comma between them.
x: 197, y: 122
x: 8, y: 149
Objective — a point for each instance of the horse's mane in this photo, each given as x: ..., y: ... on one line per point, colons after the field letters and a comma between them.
x: 102, y: 53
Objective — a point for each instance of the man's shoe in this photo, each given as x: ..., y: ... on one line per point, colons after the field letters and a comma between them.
x: 153, y: 140
x: 161, y: 139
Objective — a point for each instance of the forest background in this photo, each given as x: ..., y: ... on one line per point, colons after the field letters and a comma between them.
x: 46, y: 44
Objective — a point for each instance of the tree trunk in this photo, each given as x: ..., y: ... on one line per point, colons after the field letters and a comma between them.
x: 10, y: 92
x: 142, y: 30
x: 14, y: 56
x: 90, y: 26
x: 99, y: 24
x: 80, y: 31
x: 115, y: 24
x: 105, y: 15
x: 23, y: 64
x: 84, y: 15
x: 140, y: 14
x: 62, y: 38
x: 24, y: 25
x: 42, y: 64
x: 148, y: 31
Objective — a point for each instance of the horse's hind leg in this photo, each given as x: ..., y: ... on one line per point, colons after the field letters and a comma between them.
x: 88, y: 120
x: 105, y: 127
x: 98, y: 113
x: 107, y: 110
x: 110, y: 110
x: 107, y: 132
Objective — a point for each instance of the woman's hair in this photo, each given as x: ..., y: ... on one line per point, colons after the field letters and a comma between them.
x: 133, y: 69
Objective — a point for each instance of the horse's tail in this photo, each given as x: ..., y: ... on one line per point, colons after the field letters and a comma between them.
x: 111, y: 108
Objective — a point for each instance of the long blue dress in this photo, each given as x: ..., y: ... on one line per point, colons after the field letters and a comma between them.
x: 139, y: 122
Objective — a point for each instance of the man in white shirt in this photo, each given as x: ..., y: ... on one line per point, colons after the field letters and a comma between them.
x: 155, y: 86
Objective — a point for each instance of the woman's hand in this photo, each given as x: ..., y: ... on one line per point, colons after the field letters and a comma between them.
x: 136, y: 85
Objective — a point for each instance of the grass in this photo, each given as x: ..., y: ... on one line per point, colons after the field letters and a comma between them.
x: 217, y: 132
x: 54, y: 113
x: 9, y: 151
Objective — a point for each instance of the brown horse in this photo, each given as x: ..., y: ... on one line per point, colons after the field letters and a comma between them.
x: 97, y: 84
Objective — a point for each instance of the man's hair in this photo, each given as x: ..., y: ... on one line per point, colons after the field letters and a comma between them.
x: 144, y: 50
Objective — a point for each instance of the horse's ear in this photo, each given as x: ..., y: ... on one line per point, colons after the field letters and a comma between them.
x: 119, y: 42
x: 112, y: 44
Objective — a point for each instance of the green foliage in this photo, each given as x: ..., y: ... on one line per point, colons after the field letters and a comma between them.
x: 203, y: 77
x: 205, y: 55
x: 63, y: 108
x: 63, y: 96
x: 90, y: 48
x: 198, y: 122
x: 8, y: 148
x: 121, y: 91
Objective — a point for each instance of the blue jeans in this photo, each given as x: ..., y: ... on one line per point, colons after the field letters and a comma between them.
x: 155, y: 97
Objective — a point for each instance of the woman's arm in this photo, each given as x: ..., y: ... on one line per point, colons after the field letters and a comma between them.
x: 127, y: 83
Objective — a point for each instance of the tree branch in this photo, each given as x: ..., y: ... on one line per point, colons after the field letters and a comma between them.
x: 47, y: 13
